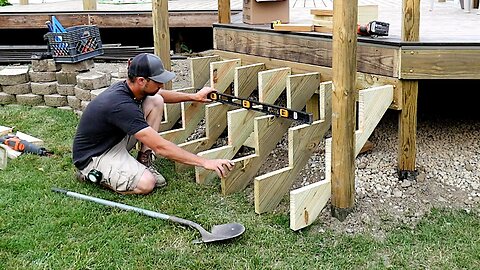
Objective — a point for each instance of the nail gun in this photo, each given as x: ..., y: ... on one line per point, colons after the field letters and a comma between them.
x: 23, y: 146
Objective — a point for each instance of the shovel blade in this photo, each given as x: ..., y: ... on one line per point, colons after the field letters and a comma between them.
x: 223, y: 232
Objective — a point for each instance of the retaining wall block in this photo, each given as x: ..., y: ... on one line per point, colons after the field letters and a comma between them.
x: 55, y: 100
x: 84, y: 104
x: 45, y: 65
x: 81, y: 66
x: 93, y: 80
x: 14, y: 75
x: 18, y: 89
x: 66, y: 77
x: 66, y: 89
x: 46, y: 88
x: 7, y: 99
x: 30, y: 99
x: 82, y: 94
x: 47, y: 76
x: 74, y: 102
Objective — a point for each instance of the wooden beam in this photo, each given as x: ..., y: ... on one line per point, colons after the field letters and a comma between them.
x: 363, y: 80
x: 296, y: 47
x: 89, y: 5
x: 161, y: 34
x: 224, y: 11
x: 23, y: 2
x: 408, y: 115
x: 173, y: 111
x: 343, y: 107
x: 449, y: 63
x: 3, y: 158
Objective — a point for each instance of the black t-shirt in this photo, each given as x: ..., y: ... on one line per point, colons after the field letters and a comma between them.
x: 105, y: 122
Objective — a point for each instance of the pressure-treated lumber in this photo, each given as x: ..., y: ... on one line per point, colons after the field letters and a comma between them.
x: 270, y: 188
x: 161, y: 34
x: 3, y: 158
x: 293, y: 27
x: 245, y: 82
x: 89, y: 5
x: 200, y: 70
x: 224, y: 11
x: 363, y: 80
x: 343, y: 107
x: 173, y: 111
x: 408, y: 115
x: 5, y: 130
x: 307, y: 202
x: 268, y: 132
x: 222, y: 75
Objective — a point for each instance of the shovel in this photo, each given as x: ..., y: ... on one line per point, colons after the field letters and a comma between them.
x: 220, y: 232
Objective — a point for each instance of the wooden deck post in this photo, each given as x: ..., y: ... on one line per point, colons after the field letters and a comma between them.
x: 344, y: 64
x: 408, y: 115
x: 89, y: 4
x: 161, y: 33
x: 23, y: 2
x: 224, y: 11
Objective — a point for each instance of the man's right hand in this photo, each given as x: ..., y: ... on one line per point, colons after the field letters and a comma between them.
x: 221, y: 166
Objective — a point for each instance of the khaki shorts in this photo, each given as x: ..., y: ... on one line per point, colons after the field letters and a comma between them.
x: 121, y: 172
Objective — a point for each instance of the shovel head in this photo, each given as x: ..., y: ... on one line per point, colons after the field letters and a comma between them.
x: 222, y: 232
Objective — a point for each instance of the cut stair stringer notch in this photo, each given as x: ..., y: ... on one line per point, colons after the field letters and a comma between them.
x: 268, y: 131
x: 222, y: 77
x: 270, y: 188
x: 307, y: 202
x: 199, y: 73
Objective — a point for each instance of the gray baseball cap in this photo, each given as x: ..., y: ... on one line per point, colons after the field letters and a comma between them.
x: 150, y: 66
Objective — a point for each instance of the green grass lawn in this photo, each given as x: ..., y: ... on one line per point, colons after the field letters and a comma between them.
x: 40, y: 229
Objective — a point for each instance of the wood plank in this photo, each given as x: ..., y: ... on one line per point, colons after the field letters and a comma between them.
x: 307, y: 202
x: 29, y: 138
x: 200, y: 70
x: 374, y: 59
x: 191, y: 117
x: 271, y: 84
x: 246, y: 79
x: 108, y: 19
x: 270, y: 188
x: 5, y: 130
x: 363, y: 81
x: 373, y: 103
x: 240, y: 126
x: 215, y: 124
x: 3, y: 158
x: 173, y: 111
x: 222, y: 74
x: 447, y: 63
x: 293, y: 27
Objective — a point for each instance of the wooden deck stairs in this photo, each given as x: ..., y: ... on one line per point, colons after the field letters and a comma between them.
x: 263, y: 132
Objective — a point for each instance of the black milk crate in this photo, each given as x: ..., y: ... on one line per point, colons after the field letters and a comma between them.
x: 78, y: 43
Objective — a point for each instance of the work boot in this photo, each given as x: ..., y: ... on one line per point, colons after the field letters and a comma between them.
x: 146, y: 158
x: 79, y: 176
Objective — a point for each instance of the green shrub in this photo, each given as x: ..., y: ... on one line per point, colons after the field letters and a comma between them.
x: 4, y: 3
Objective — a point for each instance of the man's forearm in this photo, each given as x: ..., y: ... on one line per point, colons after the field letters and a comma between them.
x: 175, y: 97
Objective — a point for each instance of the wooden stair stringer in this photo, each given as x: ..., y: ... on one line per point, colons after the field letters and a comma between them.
x: 307, y: 202
x: 194, y: 112
x: 269, y: 131
x: 199, y: 73
x: 270, y: 188
x: 173, y: 111
x: 240, y: 121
